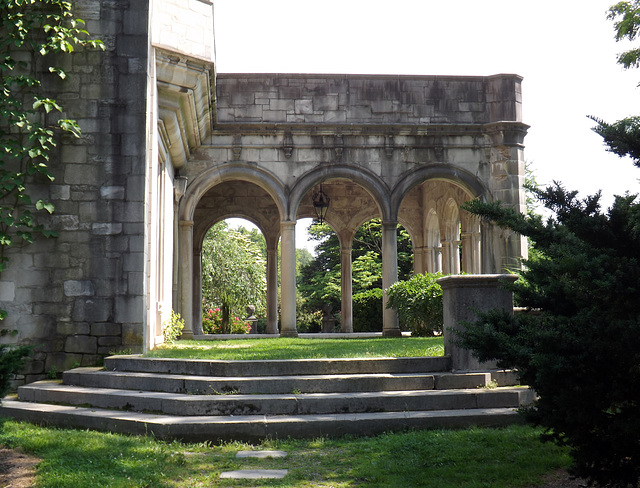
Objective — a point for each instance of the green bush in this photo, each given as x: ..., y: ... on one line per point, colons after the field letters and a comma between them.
x: 11, y: 360
x: 172, y: 327
x: 418, y: 302
x: 367, y: 311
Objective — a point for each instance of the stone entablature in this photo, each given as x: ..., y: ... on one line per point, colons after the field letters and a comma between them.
x: 366, y: 99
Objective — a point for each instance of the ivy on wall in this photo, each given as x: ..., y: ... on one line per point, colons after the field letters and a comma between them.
x: 35, y: 36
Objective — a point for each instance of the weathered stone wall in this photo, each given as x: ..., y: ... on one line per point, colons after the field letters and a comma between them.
x: 80, y: 295
x: 359, y: 99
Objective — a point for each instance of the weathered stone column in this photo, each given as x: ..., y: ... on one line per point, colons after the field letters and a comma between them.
x: 419, y: 262
x: 390, y: 327
x: 272, y: 290
x: 463, y: 296
x: 467, y: 252
x: 346, y: 284
x: 186, y: 277
x: 288, y: 279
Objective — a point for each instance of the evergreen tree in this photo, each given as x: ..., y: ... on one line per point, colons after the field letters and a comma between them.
x: 579, y: 350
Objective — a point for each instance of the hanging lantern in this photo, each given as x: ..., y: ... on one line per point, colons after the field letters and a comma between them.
x: 320, y: 204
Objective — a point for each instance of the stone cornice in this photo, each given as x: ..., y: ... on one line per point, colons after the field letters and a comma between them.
x: 186, y: 102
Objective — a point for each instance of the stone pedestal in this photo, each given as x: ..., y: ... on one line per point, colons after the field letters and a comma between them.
x: 463, y: 297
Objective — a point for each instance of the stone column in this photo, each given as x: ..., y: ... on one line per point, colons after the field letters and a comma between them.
x: 272, y: 290
x: 288, y: 279
x: 346, y: 283
x: 419, y: 263
x: 467, y: 252
x: 196, y: 286
x: 463, y: 296
x: 390, y: 327
x: 186, y: 277
x: 446, y: 258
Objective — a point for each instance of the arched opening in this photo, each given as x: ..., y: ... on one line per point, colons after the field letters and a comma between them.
x: 234, y: 278
x: 446, y: 238
x: 241, y: 199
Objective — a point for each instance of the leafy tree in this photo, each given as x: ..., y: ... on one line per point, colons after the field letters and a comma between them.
x: 320, y: 280
x: 233, y: 273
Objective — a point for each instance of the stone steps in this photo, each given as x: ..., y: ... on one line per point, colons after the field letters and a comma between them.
x: 199, y: 400
x: 274, y: 404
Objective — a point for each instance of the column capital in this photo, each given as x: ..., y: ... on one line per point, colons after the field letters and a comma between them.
x: 186, y: 223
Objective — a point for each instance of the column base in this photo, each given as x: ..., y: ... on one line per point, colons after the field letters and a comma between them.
x: 392, y: 333
x: 289, y: 333
x: 187, y: 335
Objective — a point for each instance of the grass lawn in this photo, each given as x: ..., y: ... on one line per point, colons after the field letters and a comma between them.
x: 490, y: 458
x: 297, y: 348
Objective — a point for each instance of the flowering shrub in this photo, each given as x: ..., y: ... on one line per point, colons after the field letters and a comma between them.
x: 212, y: 323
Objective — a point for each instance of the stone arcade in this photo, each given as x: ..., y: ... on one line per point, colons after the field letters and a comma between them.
x: 170, y: 147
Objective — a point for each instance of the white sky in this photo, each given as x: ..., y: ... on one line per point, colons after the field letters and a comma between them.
x: 564, y: 49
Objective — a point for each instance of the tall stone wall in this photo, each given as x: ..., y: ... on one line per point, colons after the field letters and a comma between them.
x: 80, y: 295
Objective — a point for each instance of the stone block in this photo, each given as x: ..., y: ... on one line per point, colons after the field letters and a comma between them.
x: 73, y: 328
x: 129, y: 310
x: 60, y: 361
x: 304, y: 107
x: 109, y: 341
x: 81, y: 344
x: 132, y: 335
x: 96, y: 309
x: 112, y: 192
x: 75, y: 288
x: 7, y: 291
x: 106, y: 329
x: 106, y: 228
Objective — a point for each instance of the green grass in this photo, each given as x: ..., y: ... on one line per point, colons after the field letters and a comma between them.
x: 491, y: 458
x: 296, y: 348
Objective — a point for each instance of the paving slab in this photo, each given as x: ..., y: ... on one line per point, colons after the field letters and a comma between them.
x: 261, y: 454
x: 255, y: 474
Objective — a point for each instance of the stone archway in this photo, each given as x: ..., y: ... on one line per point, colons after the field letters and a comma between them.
x: 231, y: 191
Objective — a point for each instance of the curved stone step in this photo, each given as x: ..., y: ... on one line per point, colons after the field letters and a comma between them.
x: 252, y: 428
x: 203, y: 385
x: 287, y: 404
x: 284, y: 367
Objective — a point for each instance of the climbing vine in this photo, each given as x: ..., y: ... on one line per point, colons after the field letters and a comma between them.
x: 35, y: 35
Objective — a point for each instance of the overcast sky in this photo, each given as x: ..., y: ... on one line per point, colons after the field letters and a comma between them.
x: 564, y: 49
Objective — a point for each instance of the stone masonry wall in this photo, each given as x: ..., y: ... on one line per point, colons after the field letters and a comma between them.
x: 358, y: 99
x: 79, y: 296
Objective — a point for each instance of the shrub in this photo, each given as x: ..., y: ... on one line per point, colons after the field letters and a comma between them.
x: 11, y: 360
x: 367, y: 311
x: 172, y: 327
x: 212, y: 323
x: 418, y: 302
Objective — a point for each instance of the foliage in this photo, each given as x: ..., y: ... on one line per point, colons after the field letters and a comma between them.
x: 11, y: 360
x: 172, y: 327
x: 233, y: 273
x: 319, y: 281
x: 33, y: 36
x: 580, y: 352
x: 626, y: 17
x: 367, y: 311
x: 418, y: 302
x: 509, y: 457
x: 212, y: 323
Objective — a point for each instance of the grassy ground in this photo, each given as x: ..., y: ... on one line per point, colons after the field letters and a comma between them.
x: 296, y: 348
x: 491, y: 458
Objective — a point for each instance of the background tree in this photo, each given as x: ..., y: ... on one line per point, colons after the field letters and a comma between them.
x: 319, y: 280
x: 233, y: 273
x: 579, y: 351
